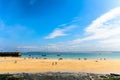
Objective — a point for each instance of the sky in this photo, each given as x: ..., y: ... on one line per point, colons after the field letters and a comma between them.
x: 60, y: 25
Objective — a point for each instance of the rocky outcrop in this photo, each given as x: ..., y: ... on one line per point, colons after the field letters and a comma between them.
x: 10, y: 54
x: 58, y: 76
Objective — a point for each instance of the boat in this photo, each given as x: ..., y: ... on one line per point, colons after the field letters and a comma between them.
x: 44, y: 55
x: 58, y: 55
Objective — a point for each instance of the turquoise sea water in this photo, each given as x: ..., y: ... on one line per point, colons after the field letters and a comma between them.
x: 73, y: 55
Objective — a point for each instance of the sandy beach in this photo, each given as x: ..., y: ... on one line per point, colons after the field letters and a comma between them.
x: 13, y: 65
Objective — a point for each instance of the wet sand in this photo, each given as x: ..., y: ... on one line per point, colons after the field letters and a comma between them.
x: 13, y: 65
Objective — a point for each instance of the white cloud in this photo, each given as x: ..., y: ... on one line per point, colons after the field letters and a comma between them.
x: 57, y: 32
x: 60, y: 32
x: 27, y: 47
x: 111, y: 41
x: 106, y: 26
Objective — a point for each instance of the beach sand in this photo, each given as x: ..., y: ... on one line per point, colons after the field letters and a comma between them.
x: 13, y: 65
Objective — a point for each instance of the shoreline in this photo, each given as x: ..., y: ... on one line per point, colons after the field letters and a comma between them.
x: 80, y: 58
x: 92, y: 72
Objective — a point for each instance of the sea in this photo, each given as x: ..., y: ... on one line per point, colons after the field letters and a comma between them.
x: 73, y: 55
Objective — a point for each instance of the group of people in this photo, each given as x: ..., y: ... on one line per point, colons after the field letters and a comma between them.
x: 54, y: 63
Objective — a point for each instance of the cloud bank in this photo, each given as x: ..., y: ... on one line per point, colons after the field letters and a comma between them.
x: 104, y: 27
x: 102, y: 34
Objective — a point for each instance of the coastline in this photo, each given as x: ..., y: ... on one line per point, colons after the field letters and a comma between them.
x: 29, y: 65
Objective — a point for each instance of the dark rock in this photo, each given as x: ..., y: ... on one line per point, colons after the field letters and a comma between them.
x: 113, y: 74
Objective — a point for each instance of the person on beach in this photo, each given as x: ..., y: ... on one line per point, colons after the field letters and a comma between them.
x: 55, y: 63
x: 96, y: 61
x: 15, y: 62
x: 52, y: 63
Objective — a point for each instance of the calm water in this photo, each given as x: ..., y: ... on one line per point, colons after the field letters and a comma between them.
x: 70, y: 55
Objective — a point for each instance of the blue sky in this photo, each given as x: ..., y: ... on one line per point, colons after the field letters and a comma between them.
x: 59, y: 25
